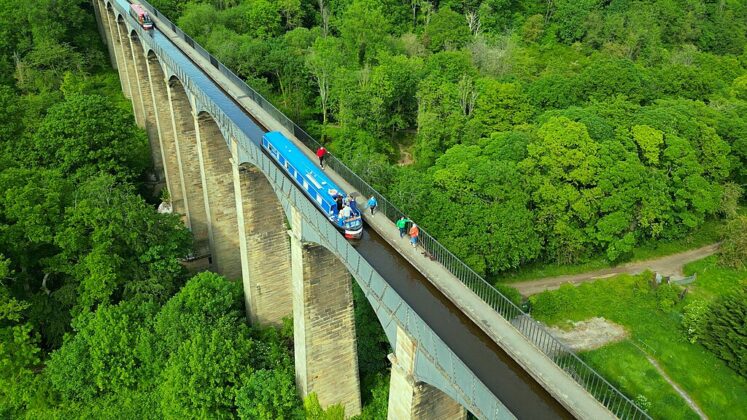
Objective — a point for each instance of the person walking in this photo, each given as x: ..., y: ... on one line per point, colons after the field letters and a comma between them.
x: 414, y: 233
x: 321, y: 152
x: 402, y: 225
x: 372, y: 204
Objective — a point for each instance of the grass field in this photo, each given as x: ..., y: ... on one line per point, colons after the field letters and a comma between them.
x: 707, y: 234
x: 653, y: 320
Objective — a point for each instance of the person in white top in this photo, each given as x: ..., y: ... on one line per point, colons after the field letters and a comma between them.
x: 346, y: 212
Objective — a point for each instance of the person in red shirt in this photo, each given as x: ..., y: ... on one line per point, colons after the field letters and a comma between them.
x: 320, y: 153
x: 414, y: 233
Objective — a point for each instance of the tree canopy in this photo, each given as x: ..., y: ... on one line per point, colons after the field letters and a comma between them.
x: 625, y: 117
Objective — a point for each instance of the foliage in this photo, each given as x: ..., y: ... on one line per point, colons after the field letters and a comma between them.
x: 667, y: 296
x: 314, y: 411
x: 194, y: 354
x: 511, y: 293
x: 92, y: 323
x: 653, y: 103
x: 733, y: 252
x: 78, y: 137
x: 724, y: 331
x: 693, y: 316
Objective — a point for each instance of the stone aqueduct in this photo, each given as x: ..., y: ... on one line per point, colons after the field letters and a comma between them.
x: 254, y: 224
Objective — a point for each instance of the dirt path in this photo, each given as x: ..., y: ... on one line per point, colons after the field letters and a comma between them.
x: 671, y: 265
x: 677, y: 388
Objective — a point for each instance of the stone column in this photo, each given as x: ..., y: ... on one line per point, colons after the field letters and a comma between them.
x: 264, y: 246
x: 103, y: 23
x: 136, y: 79
x: 323, y: 325
x: 151, y: 127
x: 189, y: 163
x: 111, y: 23
x: 167, y: 142
x: 409, y: 400
x: 220, y: 202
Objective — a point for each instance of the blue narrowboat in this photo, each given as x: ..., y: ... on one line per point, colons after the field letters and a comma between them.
x: 315, y: 183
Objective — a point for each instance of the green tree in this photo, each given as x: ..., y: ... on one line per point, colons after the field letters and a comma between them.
x: 570, y: 16
x: 115, y: 246
x: 733, y: 252
x: 498, y: 107
x: 268, y: 394
x: 446, y: 30
x: 19, y: 351
x: 87, y: 134
x: 561, y: 167
x: 323, y: 61
x: 724, y: 331
x: 364, y: 29
x: 104, y: 356
x: 198, y: 19
x: 649, y: 141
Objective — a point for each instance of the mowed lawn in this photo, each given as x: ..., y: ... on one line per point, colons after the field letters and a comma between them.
x: 653, y: 321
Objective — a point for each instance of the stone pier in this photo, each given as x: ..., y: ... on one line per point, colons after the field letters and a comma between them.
x: 410, y: 400
x: 146, y: 96
x: 326, y: 358
x: 220, y: 203
x: 264, y: 246
x: 188, y: 160
x: 167, y: 142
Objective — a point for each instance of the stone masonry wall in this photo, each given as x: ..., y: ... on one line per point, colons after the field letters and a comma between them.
x: 324, y: 328
x: 410, y: 400
x: 167, y: 142
x: 189, y: 162
x: 215, y: 159
x: 141, y: 65
x: 267, y: 280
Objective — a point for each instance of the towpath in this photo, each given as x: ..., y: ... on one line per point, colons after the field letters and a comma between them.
x: 671, y: 265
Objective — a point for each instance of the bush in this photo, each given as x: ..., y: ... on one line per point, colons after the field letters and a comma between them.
x: 734, y: 248
x: 666, y: 297
x: 511, y: 293
x: 693, y: 318
x: 724, y: 331
x: 643, y: 402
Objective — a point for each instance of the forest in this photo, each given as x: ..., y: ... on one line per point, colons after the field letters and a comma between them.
x: 545, y: 131
x: 98, y: 317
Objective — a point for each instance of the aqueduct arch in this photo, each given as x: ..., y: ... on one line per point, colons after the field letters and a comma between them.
x: 146, y: 102
x: 187, y: 149
x: 165, y: 130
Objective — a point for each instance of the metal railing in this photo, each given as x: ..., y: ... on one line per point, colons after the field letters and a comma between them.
x: 619, y: 404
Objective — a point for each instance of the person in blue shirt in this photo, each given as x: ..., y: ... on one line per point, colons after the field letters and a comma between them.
x: 372, y: 204
x: 353, y: 206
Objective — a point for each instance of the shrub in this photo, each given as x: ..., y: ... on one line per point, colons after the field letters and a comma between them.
x: 511, y: 293
x: 693, y: 317
x: 642, y: 402
x: 724, y: 330
x: 734, y: 248
x: 666, y: 297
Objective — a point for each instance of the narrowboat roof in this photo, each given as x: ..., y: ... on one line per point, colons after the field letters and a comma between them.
x: 311, y: 173
x: 138, y: 8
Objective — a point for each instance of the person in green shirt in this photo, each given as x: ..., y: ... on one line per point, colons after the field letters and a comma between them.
x: 402, y: 225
